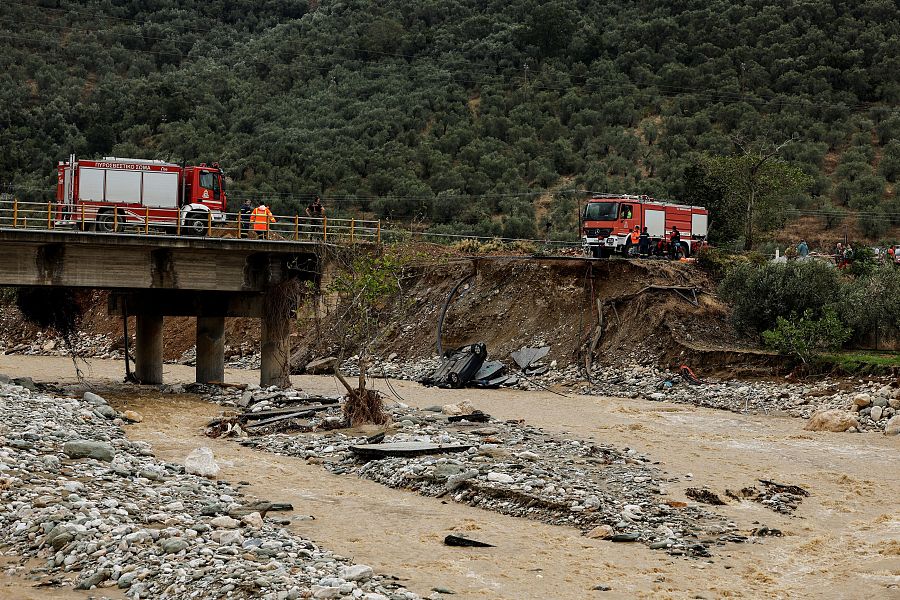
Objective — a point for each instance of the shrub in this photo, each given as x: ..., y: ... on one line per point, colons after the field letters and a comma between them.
x: 714, y: 261
x: 803, y: 337
x: 761, y: 294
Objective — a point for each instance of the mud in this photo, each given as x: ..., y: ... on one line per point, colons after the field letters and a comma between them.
x: 842, y: 542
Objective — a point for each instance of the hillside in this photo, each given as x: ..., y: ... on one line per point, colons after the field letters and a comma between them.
x: 460, y: 114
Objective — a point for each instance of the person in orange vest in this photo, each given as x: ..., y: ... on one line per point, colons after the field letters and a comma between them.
x: 260, y: 219
x: 632, y: 240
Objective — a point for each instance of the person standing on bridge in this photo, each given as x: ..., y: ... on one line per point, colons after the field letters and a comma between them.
x: 260, y: 219
x: 315, y: 211
x: 244, y: 218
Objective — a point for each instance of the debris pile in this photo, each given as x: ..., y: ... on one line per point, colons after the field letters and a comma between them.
x: 873, y: 402
x: 100, y: 511
x: 520, y: 470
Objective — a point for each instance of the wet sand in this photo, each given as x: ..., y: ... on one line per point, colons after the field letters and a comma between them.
x: 843, y: 542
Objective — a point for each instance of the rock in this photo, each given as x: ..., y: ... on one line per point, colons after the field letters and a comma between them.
x: 173, y: 545
x: 125, y: 581
x: 106, y: 411
x: 601, y: 532
x: 836, y: 420
x: 894, y: 403
x: 876, y: 412
x: 893, y: 426
x: 95, y: 399
x: 499, y: 477
x: 89, y: 449
x: 862, y: 400
x: 227, y: 537
x: 454, y: 481
x: 882, y: 402
x: 224, y: 522
x: 357, y: 573
x: 93, y: 580
x: 201, y: 462
x: 253, y: 520
x: 463, y: 408
x: 132, y: 416
x: 319, y: 591
x: 321, y: 366
x: 25, y: 382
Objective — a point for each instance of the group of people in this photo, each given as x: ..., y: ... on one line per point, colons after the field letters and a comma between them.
x: 640, y: 238
x: 260, y: 219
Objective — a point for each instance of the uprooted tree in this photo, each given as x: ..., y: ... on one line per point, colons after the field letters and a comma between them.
x: 365, y: 286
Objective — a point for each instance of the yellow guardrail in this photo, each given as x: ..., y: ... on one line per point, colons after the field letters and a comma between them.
x: 143, y: 220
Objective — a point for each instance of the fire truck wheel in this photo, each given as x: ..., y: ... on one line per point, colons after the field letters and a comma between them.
x: 196, y: 224
x: 105, y: 222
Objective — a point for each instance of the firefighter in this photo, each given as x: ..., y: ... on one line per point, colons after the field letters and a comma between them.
x: 633, y: 240
x: 260, y: 219
x: 675, y: 243
x: 244, y: 217
x: 644, y: 243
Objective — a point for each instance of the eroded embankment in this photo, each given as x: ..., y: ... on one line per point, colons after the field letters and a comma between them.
x: 652, y: 311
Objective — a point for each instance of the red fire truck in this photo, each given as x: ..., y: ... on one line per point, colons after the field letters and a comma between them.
x: 113, y: 192
x: 607, y: 219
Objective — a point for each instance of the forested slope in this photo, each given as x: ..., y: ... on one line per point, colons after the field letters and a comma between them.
x: 459, y: 113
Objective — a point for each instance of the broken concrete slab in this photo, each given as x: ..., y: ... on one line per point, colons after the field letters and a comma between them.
x: 321, y: 366
x: 525, y: 357
x: 405, y: 449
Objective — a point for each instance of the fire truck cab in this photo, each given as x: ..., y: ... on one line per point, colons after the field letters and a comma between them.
x: 112, y: 192
x: 608, y: 219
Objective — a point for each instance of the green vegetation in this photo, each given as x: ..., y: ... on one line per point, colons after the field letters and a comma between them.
x: 861, y: 361
x: 802, y: 308
x: 805, y: 336
x: 462, y: 114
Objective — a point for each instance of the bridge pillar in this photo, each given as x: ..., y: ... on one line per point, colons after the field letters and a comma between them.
x: 148, y: 352
x: 210, y: 350
x: 274, y: 367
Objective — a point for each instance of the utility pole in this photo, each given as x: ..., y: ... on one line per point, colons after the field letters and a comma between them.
x: 526, y: 73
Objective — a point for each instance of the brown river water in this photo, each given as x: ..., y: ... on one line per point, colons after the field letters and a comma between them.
x: 843, y: 541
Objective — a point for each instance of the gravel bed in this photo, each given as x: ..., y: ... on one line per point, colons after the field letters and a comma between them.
x: 99, y: 511
x: 520, y: 470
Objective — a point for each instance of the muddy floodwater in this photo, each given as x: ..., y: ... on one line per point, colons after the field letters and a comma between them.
x: 842, y: 542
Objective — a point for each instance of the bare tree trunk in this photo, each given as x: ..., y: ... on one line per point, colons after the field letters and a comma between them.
x: 748, y: 238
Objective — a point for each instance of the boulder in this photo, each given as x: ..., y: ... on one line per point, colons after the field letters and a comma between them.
x: 201, y: 462
x: 832, y: 420
x: 893, y: 426
x: 94, y: 399
x: 357, y: 573
x: 132, y: 416
x: 463, y: 408
x: 601, y: 532
x: 321, y: 366
x: 89, y: 449
x: 25, y: 382
x: 876, y: 413
x: 862, y: 400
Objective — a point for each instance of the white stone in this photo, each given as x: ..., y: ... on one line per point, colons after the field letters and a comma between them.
x: 499, y: 477
x: 357, y: 573
x: 253, y: 520
x: 201, y: 462
x: 225, y: 522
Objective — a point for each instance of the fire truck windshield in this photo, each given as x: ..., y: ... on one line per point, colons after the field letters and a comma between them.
x: 210, y: 181
x: 601, y: 211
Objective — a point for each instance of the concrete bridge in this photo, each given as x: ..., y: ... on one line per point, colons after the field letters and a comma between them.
x: 153, y: 276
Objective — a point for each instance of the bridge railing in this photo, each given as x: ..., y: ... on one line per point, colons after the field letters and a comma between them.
x: 141, y: 220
